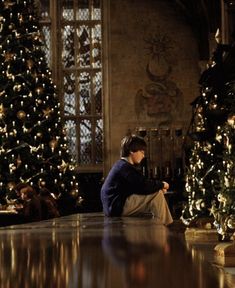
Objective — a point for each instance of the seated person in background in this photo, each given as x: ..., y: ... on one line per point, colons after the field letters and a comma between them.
x: 31, y: 204
x: 17, y: 189
x: 48, y: 204
x: 127, y: 192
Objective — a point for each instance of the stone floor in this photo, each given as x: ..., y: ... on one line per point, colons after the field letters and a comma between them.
x: 92, y: 251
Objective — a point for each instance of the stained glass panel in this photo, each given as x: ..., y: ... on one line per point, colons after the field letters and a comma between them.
x: 69, y: 95
x: 96, y: 46
x: 83, y: 58
x: 85, y: 142
x: 68, y: 14
x: 85, y: 93
x: 68, y: 46
x: 96, y: 11
x: 67, y: 10
x: 83, y: 10
x: 97, y: 87
x: 47, y: 43
x: 70, y: 127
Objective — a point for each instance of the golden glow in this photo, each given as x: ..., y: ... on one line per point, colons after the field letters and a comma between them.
x: 38, y: 259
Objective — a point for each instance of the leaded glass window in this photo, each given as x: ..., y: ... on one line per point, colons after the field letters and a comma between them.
x: 73, y: 47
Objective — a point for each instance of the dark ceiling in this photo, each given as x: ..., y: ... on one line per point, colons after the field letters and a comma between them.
x: 204, y: 16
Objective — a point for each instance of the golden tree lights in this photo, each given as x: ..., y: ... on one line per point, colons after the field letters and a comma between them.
x: 32, y: 142
x: 196, y: 177
x: 210, y: 161
x: 224, y: 210
x: 211, y: 171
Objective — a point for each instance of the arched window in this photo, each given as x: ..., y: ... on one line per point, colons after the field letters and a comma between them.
x: 73, y: 46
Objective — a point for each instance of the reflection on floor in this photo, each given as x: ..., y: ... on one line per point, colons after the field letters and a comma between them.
x: 92, y: 251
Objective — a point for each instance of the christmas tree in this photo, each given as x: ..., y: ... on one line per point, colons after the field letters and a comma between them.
x: 223, y: 209
x: 210, y: 178
x: 202, y: 179
x: 33, y: 144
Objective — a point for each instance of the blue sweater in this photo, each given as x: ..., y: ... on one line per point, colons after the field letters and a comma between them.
x: 122, y: 181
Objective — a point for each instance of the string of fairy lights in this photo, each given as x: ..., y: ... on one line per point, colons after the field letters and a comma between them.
x: 33, y: 142
x: 210, y: 177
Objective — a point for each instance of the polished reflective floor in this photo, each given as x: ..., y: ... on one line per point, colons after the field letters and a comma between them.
x: 89, y: 251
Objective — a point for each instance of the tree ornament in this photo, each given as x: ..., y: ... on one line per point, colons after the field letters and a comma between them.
x: 8, y: 56
x: 200, y: 204
x: 41, y: 183
x: 26, y: 130
x: 3, y: 129
x: 18, y: 161
x: 34, y: 149
x: 74, y: 193
x: 21, y: 115
x: 63, y: 167
x: 17, y: 87
x: 231, y: 121
x: 18, y: 35
x: 30, y: 63
x: 11, y: 26
x: 47, y: 112
x: 221, y: 198
x: 9, y: 75
x: 2, y: 111
x: 72, y: 167
x: 39, y: 134
x: 12, y: 167
x: 7, y: 4
x: 231, y: 222
x: 10, y: 185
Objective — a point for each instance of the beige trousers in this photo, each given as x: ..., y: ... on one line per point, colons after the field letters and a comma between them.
x: 153, y: 203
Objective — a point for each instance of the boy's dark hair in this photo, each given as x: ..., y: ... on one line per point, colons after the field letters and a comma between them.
x: 132, y: 143
x: 20, y: 186
x: 29, y: 191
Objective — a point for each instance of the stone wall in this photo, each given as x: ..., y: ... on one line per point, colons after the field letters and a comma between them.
x: 153, y: 70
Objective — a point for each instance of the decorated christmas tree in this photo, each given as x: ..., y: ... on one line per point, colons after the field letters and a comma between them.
x: 33, y: 144
x: 210, y: 177
x: 202, y: 161
x: 223, y: 209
